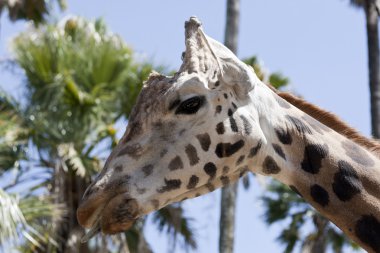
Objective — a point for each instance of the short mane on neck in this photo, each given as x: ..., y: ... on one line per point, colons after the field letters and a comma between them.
x: 332, y: 121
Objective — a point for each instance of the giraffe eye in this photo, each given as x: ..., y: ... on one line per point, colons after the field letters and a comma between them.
x: 190, y: 106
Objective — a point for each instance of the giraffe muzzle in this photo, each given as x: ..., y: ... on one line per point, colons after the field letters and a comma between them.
x: 109, y: 215
x: 119, y: 214
x: 89, y: 211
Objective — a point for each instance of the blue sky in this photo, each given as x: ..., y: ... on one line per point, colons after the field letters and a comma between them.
x: 319, y: 44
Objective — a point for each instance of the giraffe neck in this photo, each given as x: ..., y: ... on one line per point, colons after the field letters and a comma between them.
x: 338, y: 177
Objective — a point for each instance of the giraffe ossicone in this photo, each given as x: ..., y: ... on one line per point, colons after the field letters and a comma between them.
x: 210, y: 124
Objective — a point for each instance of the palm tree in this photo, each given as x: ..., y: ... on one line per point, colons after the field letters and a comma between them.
x: 80, y: 81
x: 70, y: 70
x: 34, y: 10
x: 371, y: 9
x: 20, y: 213
x: 228, y: 198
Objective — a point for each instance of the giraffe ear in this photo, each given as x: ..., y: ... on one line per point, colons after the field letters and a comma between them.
x: 208, y: 56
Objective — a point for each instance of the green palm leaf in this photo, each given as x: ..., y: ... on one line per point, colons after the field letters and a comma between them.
x: 172, y: 221
x: 12, y: 133
x: 19, y: 217
x: 80, y: 80
x: 280, y: 203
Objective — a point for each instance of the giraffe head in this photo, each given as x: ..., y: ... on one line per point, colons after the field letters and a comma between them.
x: 187, y: 135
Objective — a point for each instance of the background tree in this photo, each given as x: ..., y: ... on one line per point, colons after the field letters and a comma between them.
x: 81, y: 81
x: 228, y: 195
x: 34, y: 10
x: 71, y: 69
x: 371, y: 10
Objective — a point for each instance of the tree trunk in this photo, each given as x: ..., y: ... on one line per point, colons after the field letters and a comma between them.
x: 232, y: 25
x: 227, y: 219
x: 143, y: 246
x: 373, y: 63
x: 69, y: 189
x: 317, y: 243
x: 228, y: 199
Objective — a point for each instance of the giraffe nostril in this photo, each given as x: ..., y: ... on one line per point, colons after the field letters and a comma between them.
x: 127, y: 209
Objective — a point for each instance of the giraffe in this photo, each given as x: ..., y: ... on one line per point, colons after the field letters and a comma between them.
x: 213, y: 122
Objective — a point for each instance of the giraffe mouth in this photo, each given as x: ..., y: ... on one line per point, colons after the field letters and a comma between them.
x: 110, y: 216
x: 90, y: 210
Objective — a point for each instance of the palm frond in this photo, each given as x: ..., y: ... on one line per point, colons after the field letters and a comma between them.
x: 21, y: 218
x: 357, y: 3
x: 36, y: 11
x: 276, y: 79
x: 80, y: 80
x: 13, y: 133
x: 280, y: 203
x: 11, y: 218
x: 172, y: 221
x: 79, y: 76
x: 71, y: 158
x: 136, y: 240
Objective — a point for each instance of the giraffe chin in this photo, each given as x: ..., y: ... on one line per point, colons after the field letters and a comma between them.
x: 113, y: 216
x: 107, y: 228
x: 114, y: 228
x: 119, y: 214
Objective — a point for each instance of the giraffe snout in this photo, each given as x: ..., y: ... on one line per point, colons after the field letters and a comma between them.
x: 89, y: 211
x: 119, y: 214
x: 111, y: 207
x: 93, y: 201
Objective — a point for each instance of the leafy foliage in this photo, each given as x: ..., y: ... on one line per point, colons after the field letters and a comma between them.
x: 19, y: 216
x: 172, y: 221
x: 34, y: 10
x: 357, y: 3
x: 276, y: 79
x: 283, y: 205
x: 78, y: 76
x: 11, y: 217
x: 136, y: 239
x: 12, y: 134
x: 80, y: 81
x: 75, y: 73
